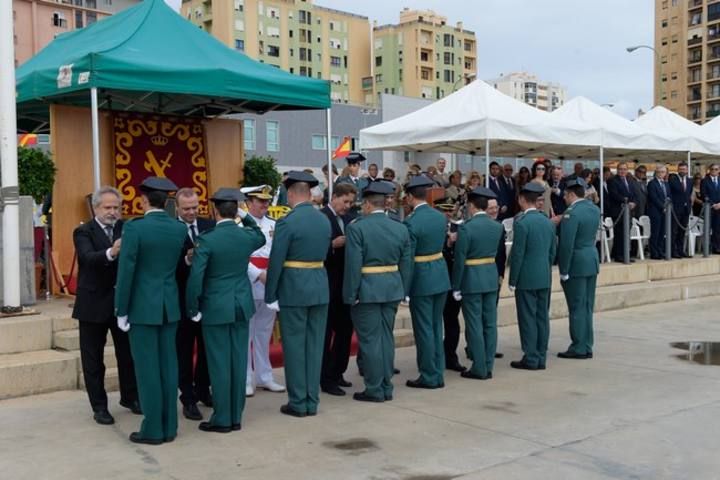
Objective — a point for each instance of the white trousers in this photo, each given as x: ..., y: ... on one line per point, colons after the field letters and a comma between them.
x: 259, y: 371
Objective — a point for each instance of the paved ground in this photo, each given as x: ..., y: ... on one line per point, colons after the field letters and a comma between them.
x: 634, y: 411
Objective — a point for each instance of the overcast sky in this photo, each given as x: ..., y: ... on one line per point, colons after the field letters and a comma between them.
x: 577, y: 43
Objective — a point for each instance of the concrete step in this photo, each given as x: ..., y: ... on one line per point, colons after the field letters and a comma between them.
x: 25, y: 334
x: 42, y: 371
x: 108, y: 357
x: 69, y: 340
x: 112, y: 380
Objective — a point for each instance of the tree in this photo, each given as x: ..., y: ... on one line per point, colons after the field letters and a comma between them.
x: 36, y: 173
x: 261, y: 171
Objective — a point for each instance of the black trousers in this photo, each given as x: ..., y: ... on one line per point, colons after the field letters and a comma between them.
x: 619, y: 232
x: 452, y: 329
x: 93, y: 337
x: 678, y: 233
x: 194, y: 383
x: 338, y: 340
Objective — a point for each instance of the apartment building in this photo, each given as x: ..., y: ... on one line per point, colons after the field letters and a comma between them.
x: 421, y: 56
x: 38, y: 22
x: 687, y: 63
x: 527, y: 88
x: 294, y: 35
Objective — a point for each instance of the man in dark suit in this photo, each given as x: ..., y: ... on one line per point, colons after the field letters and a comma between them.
x: 619, y: 191
x: 607, y: 177
x: 681, y: 188
x: 97, y: 244
x: 339, y: 329
x: 194, y: 383
x: 640, y: 191
x: 658, y: 193
x: 511, y: 189
x: 497, y: 185
x: 557, y: 189
x: 710, y: 189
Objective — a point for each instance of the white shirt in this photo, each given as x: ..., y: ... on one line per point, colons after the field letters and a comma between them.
x: 197, y: 230
x: 109, y: 257
x: 530, y: 209
x: 267, y: 225
x: 420, y: 205
x: 479, y: 213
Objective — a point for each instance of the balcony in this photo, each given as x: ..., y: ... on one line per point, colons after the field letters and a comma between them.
x: 695, y: 41
x: 712, y: 113
x: 713, y: 74
x: 695, y: 58
x: 693, y: 4
x: 713, y: 94
x: 693, y: 98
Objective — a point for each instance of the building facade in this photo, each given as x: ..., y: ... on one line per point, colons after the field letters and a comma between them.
x: 687, y: 63
x: 294, y: 35
x: 422, y: 56
x: 38, y: 22
x: 527, y: 88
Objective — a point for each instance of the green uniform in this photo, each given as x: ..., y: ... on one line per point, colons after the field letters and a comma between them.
x: 373, y: 242
x: 146, y: 292
x: 578, y: 258
x: 531, y: 258
x: 297, y: 279
x: 428, y: 289
x: 475, y: 275
x: 218, y: 287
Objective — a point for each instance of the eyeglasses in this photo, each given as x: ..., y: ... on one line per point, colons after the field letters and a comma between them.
x: 540, y: 169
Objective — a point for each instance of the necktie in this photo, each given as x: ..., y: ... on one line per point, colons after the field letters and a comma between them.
x: 626, y: 184
x: 683, y: 183
x: 340, y: 224
x: 662, y: 184
x: 109, y: 232
x: 193, y: 232
x: 714, y: 181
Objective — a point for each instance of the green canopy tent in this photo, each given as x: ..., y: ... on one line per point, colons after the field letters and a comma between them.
x: 149, y: 59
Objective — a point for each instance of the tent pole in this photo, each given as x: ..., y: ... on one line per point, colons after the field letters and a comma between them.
x: 10, y: 197
x: 602, y: 182
x: 95, y: 137
x: 328, y: 122
x: 487, y: 163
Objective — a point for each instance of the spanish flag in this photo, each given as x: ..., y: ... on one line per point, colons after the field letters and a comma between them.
x: 344, y: 149
x: 27, y: 139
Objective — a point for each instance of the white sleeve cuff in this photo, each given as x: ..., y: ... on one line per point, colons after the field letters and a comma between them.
x: 109, y: 257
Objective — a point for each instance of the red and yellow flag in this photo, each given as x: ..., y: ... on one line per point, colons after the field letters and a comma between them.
x: 343, y: 149
x: 27, y: 139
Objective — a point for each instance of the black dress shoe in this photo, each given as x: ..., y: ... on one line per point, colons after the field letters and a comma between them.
x: 312, y: 414
x: 287, y: 410
x: 103, y: 417
x: 418, y: 384
x: 677, y: 256
x: 572, y: 355
x: 206, y: 399
x: 209, y: 427
x: 362, y: 397
x: 135, y: 437
x: 191, y: 412
x: 456, y: 367
x: 133, y: 406
x: 388, y: 398
x: 469, y: 374
x: 522, y: 365
x: 396, y: 371
x: 344, y: 383
x: 169, y: 439
x: 236, y: 427
x: 333, y: 390
x: 499, y: 355
x: 590, y: 355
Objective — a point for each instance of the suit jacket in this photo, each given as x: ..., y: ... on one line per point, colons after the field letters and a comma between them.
x: 657, y: 197
x: 428, y: 231
x: 709, y: 190
x: 640, y: 192
x: 183, y: 269
x: 301, y: 235
x: 478, y: 238
x: 556, y: 199
x: 146, y: 289
x: 96, y: 274
x: 617, y: 193
x: 533, y: 252
x: 218, y: 285
x: 376, y: 241
x: 577, y: 254
x: 505, y: 195
x: 335, y: 259
x: 681, y: 196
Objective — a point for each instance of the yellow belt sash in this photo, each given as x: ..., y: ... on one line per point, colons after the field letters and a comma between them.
x: 299, y: 264
x: 428, y: 258
x: 479, y: 261
x: 380, y: 269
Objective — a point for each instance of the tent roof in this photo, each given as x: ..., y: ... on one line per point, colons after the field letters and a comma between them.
x: 149, y: 58
x: 711, y: 129
x: 665, y: 123
x: 462, y: 121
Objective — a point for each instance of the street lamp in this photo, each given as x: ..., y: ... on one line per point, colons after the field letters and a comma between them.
x: 659, y: 66
x: 468, y: 77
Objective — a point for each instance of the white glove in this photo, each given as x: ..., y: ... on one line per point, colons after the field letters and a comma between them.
x: 564, y: 278
x: 123, y: 324
x: 511, y: 288
x: 197, y: 317
x: 406, y: 301
x: 457, y: 296
x: 242, y: 213
x: 274, y: 306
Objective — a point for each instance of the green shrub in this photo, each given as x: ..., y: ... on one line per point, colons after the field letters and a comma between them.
x: 261, y: 171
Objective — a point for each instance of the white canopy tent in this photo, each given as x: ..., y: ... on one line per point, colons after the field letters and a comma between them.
x: 711, y: 129
x: 666, y: 123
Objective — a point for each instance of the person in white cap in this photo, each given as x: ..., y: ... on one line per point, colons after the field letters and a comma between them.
x: 259, y: 369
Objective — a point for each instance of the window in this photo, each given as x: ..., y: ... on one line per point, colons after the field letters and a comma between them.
x: 664, y: 23
x: 378, y: 77
x: 448, y: 40
x: 448, y: 58
x: 335, y: 61
x: 673, y: 76
x: 273, y: 51
x: 239, y: 44
x: 58, y: 20
x: 449, y: 76
x: 90, y: 17
x: 303, y: 54
x: 378, y: 61
x: 713, y: 12
x: 273, y: 137
x: 90, y: 4
x: 78, y: 19
x: 249, y: 134
x: 319, y: 142
x: 424, y: 56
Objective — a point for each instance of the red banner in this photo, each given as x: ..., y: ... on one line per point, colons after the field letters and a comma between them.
x: 158, y: 146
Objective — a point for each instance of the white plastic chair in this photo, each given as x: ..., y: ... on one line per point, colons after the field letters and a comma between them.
x: 640, y: 232
x: 607, y: 235
x: 508, y: 226
x: 694, y: 235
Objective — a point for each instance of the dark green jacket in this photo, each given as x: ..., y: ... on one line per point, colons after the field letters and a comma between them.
x: 532, y: 252
x: 146, y: 289
x: 376, y: 240
x: 302, y: 235
x: 360, y: 184
x: 479, y: 237
x: 428, y: 232
x: 577, y: 255
x: 218, y: 285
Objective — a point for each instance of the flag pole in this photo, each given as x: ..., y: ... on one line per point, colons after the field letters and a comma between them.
x: 328, y: 120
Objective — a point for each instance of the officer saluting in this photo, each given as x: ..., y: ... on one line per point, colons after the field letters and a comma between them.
x: 219, y: 294
x: 378, y: 266
x: 146, y: 299
x: 531, y: 258
x: 297, y: 285
x: 579, y: 267
x: 430, y: 283
x: 475, y: 281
